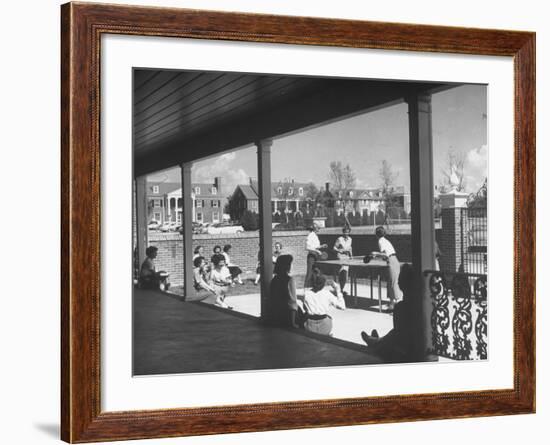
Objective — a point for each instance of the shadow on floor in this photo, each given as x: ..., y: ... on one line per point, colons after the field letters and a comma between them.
x: 171, y: 336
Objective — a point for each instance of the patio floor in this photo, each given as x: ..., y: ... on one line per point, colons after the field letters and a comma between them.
x: 171, y: 336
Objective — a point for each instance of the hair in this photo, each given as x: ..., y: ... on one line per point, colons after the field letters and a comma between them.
x: 311, y: 228
x: 380, y: 232
x: 150, y: 250
x: 406, y: 278
x: 216, y: 247
x: 346, y: 229
x: 197, y: 249
x: 226, y: 248
x: 279, y: 243
x: 216, y: 258
x: 282, y: 265
x: 319, y: 282
x: 315, y: 270
x: 198, y: 261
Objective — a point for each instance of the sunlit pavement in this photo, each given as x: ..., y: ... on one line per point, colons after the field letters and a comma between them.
x: 347, y: 324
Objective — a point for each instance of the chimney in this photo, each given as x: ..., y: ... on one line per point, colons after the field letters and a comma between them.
x: 218, y: 183
x: 327, y: 186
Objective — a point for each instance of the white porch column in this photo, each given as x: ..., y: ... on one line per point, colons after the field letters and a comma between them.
x: 187, y: 224
x: 422, y: 218
x: 264, y: 189
x: 141, y: 217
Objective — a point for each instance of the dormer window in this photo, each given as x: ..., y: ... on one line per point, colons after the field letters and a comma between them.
x: 351, y: 194
x: 214, y: 190
x: 301, y: 191
x: 290, y: 191
x: 155, y: 189
x: 280, y: 190
x: 197, y: 190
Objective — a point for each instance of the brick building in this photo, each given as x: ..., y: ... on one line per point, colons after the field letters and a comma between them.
x: 291, y: 196
x: 164, y: 201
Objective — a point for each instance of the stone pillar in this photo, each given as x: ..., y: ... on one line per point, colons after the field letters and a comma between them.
x: 187, y: 224
x: 453, y: 222
x: 141, y: 218
x: 266, y: 239
x: 422, y: 217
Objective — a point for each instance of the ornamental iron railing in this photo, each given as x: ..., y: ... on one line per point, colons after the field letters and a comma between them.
x: 459, y: 315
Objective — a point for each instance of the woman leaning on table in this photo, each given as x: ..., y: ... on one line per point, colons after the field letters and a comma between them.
x: 387, y: 253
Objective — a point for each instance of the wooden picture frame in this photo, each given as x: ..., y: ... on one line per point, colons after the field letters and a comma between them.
x: 82, y: 26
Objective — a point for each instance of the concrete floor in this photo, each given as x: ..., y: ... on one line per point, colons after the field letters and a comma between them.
x: 347, y: 324
x: 171, y: 336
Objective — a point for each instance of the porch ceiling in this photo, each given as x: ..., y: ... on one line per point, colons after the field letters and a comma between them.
x: 180, y: 116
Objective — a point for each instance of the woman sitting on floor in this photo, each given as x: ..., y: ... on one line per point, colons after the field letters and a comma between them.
x: 397, y: 346
x: 200, y: 282
x: 234, y: 270
x: 149, y: 278
x: 282, y: 305
x: 221, y: 279
x: 317, y: 303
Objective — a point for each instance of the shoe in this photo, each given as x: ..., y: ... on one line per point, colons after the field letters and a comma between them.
x: 365, y: 337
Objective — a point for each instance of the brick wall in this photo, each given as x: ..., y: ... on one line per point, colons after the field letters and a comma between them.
x: 450, y: 242
x: 245, y: 247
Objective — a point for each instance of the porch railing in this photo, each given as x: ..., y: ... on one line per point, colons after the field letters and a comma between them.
x: 459, y: 315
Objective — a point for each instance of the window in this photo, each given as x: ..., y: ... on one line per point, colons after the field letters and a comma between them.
x: 156, y: 216
x: 155, y: 189
x: 199, y: 217
x: 301, y: 191
x: 214, y: 191
x: 199, y: 202
x: 215, y: 217
x: 280, y: 190
x: 351, y: 194
x: 290, y: 191
x: 215, y: 203
x: 197, y: 190
x: 157, y: 203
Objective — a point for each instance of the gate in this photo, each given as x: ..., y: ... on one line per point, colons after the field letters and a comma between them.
x: 473, y: 244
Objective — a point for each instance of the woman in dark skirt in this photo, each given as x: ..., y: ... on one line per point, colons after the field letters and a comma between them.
x: 282, y: 307
x: 234, y: 270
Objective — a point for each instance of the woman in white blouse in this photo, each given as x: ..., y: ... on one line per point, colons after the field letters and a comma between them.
x: 387, y: 253
x: 317, y: 303
x: 343, y: 250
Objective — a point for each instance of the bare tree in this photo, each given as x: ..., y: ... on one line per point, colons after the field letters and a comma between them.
x: 342, y: 176
x: 344, y: 180
x: 388, y: 177
x: 453, y: 172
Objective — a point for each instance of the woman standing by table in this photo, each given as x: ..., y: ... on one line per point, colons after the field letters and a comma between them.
x: 343, y: 250
x: 314, y: 252
x: 387, y: 252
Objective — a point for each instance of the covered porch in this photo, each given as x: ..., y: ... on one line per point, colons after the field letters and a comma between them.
x: 213, y: 113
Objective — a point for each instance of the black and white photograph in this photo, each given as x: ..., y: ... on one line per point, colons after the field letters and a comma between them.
x: 285, y: 221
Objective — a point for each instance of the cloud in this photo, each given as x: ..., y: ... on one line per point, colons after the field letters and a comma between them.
x: 206, y: 171
x: 475, y: 167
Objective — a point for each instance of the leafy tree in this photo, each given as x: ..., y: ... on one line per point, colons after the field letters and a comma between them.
x: 250, y: 220
x: 479, y: 198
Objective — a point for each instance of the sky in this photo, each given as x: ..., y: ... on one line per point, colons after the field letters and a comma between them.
x: 459, y: 124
